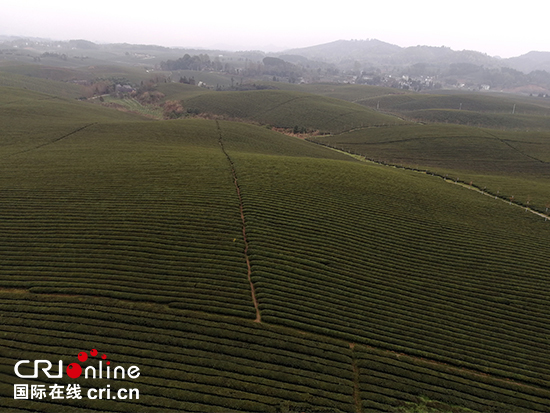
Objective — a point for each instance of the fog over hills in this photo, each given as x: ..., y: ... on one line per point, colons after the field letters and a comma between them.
x: 370, y: 61
x: 378, y: 52
x: 370, y: 51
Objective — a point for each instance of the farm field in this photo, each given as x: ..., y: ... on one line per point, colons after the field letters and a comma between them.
x: 46, y: 72
x: 209, y: 78
x: 286, y: 109
x: 132, y: 105
x: 180, y: 91
x: 503, y: 103
x: 497, y: 121
x: 507, y: 163
x: 502, y: 112
x: 343, y: 91
x: 58, y: 88
x: 245, y: 270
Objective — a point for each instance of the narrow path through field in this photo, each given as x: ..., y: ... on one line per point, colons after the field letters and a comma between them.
x: 280, y: 104
x: 238, y: 189
x: 527, y: 209
x: 505, y: 142
x: 448, y: 180
x: 52, y: 141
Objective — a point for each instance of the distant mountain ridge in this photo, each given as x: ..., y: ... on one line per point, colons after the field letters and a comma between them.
x: 372, y: 62
x: 347, y: 49
x: 370, y: 51
x: 531, y: 61
x: 379, y: 53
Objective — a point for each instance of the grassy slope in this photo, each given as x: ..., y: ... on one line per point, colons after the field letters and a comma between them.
x: 127, y: 236
x: 487, y: 120
x: 173, y: 242
x: 52, y: 87
x: 210, y: 78
x: 499, y: 112
x: 512, y: 163
x: 412, y: 268
x: 350, y: 93
x: 469, y: 102
x: 45, y: 72
x: 289, y: 109
x: 25, y: 108
x: 180, y: 91
x: 81, y: 70
x: 32, y: 119
x: 507, y: 153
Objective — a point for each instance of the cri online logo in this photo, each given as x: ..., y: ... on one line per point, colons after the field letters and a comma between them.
x: 74, y: 370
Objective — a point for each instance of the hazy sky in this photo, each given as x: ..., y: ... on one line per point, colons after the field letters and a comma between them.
x: 500, y: 27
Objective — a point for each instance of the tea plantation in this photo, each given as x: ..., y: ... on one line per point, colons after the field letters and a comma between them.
x: 377, y: 289
x: 287, y: 109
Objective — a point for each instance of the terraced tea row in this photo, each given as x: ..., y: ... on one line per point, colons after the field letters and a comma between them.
x: 135, y: 244
x: 447, y: 146
x: 189, y: 361
x: 58, y: 88
x: 287, y: 109
x: 510, y: 164
x: 75, y: 222
x: 393, y: 380
x: 481, y: 103
x: 409, y: 277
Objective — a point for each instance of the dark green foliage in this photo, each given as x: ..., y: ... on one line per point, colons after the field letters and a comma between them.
x: 510, y: 163
x: 53, y: 87
x: 470, y: 103
x: 486, y: 120
x: 378, y: 288
x: 197, y: 357
x: 196, y: 62
x: 395, y: 272
x: 287, y: 109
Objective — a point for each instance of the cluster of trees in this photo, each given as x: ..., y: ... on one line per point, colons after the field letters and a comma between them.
x: 188, y: 62
x: 188, y: 81
x: 172, y: 109
x: 270, y: 66
x: 497, y: 78
x: 276, y: 67
x: 62, y: 56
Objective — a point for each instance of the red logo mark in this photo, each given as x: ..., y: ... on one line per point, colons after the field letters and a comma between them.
x: 74, y: 370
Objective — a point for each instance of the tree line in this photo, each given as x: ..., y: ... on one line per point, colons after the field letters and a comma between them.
x: 188, y: 62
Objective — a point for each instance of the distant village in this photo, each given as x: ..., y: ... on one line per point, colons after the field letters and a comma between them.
x: 240, y: 70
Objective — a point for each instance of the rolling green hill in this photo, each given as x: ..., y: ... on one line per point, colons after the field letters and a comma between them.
x: 288, y: 109
x: 469, y: 137
x: 24, y: 108
x: 180, y: 91
x: 45, y: 72
x: 469, y: 102
x: 487, y: 120
x: 506, y: 163
x: 247, y: 271
x: 212, y: 79
x: 31, y: 120
x: 82, y: 70
x: 348, y: 92
x: 491, y: 111
x: 53, y: 87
